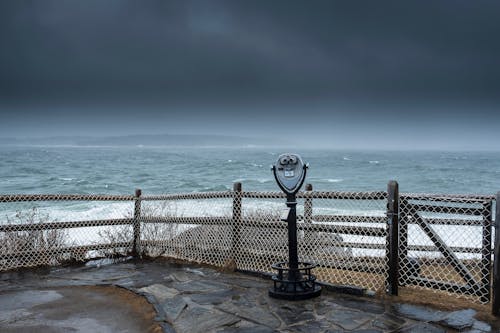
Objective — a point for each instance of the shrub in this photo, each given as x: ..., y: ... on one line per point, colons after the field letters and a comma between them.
x: 32, y: 247
x: 152, y: 234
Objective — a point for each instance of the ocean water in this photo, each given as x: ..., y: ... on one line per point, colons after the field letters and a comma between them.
x: 120, y: 170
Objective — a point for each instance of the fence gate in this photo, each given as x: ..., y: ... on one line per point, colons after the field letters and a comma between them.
x: 446, y: 244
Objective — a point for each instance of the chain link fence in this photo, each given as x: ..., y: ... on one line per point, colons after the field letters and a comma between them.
x: 195, y: 227
x: 345, y: 234
x: 445, y: 241
x: 446, y: 244
x: 57, y: 229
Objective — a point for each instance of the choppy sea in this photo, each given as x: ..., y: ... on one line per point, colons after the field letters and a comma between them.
x: 168, y: 170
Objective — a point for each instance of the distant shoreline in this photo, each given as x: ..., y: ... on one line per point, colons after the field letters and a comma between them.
x: 295, y: 148
x: 163, y: 140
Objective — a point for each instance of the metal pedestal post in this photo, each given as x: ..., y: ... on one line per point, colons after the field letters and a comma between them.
x: 294, y: 280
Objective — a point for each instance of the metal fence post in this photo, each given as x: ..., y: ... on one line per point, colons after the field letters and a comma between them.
x: 495, y: 304
x: 392, y: 237
x: 136, y: 250
x: 237, y: 221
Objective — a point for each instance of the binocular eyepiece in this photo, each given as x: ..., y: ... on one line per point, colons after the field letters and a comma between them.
x: 290, y: 172
x: 288, y: 159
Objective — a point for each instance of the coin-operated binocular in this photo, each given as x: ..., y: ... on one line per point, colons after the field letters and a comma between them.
x: 294, y: 280
x: 290, y: 173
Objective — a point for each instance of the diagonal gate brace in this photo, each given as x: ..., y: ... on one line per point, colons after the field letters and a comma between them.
x: 445, y: 250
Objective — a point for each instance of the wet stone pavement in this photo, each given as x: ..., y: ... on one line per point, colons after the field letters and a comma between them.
x: 190, y: 298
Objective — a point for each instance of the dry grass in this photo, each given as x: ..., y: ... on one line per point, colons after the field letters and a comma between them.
x: 438, y: 270
x: 349, y: 278
x: 437, y: 299
x: 440, y: 300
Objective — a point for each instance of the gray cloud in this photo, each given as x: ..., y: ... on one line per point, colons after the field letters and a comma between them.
x: 325, y: 49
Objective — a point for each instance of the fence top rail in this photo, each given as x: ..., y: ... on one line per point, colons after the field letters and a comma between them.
x: 189, y: 196
x: 374, y: 195
x: 265, y: 194
x: 319, y: 195
x: 381, y: 195
x: 473, y: 198
x: 64, y: 197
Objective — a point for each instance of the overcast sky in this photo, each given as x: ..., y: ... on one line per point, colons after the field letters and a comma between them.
x: 350, y: 74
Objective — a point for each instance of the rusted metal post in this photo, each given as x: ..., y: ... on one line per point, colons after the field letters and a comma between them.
x: 136, y: 247
x: 237, y: 221
x: 392, y: 237
x: 495, y: 304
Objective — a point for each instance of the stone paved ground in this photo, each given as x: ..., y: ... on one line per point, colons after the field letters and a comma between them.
x: 189, y: 298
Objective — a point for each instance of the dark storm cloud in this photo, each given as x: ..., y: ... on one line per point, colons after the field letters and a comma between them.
x: 184, y: 51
